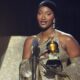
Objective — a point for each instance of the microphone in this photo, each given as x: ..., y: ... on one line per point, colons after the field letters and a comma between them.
x: 35, y: 56
x: 36, y: 49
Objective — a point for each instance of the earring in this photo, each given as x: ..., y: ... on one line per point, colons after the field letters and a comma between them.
x: 54, y: 23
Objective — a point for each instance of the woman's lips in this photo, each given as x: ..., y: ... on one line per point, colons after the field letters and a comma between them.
x: 43, y: 22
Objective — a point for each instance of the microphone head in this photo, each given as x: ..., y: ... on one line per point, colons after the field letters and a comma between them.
x: 36, y: 49
x: 35, y: 43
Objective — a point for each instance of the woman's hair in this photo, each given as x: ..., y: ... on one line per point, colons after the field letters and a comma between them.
x: 49, y: 4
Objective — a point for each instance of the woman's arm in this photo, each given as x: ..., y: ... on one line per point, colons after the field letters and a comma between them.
x: 27, y: 48
x: 73, y: 50
x: 72, y: 46
x: 25, y: 67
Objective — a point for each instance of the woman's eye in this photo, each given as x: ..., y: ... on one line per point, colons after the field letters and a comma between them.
x: 49, y: 13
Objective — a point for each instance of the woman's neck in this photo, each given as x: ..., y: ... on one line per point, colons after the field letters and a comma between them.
x: 48, y: 32
x: 45, y: 35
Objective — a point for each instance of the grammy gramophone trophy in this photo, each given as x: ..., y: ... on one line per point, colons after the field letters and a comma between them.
x: 53, y: 65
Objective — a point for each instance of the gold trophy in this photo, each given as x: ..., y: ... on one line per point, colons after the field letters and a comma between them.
x: 52, y: 46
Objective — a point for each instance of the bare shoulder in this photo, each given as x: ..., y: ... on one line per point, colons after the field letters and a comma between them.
x: 71, y: 44
x: 28, y: 40
x: 65, y: 36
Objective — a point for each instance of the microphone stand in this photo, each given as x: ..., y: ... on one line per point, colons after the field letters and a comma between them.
x: 35, y: 61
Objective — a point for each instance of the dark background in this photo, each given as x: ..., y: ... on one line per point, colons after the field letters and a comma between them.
x: 18, y: 17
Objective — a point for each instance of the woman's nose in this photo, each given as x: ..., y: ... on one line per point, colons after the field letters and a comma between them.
x: 43, y: 17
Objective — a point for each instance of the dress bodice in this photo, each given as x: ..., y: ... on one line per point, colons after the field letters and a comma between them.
x: 62, y: 54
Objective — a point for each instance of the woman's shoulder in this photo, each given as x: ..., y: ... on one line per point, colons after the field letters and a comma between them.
x: 29, y: 39
x: 65, y: 36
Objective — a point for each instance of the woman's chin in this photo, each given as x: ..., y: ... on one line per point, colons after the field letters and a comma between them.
x: 44, y: 28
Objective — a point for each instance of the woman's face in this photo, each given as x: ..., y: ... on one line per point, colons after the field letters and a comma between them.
x: 45, y: 17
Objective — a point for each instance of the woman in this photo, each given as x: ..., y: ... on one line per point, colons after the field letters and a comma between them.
x: 67, y: 52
